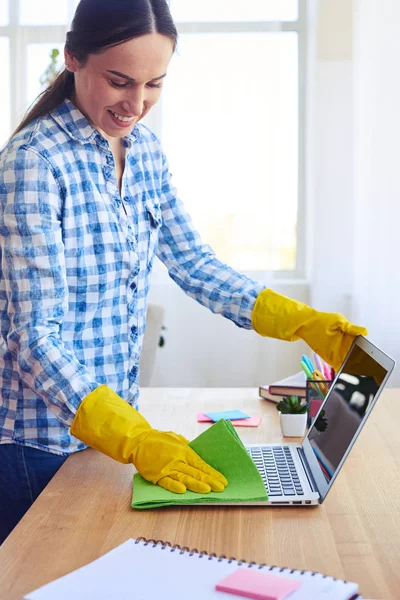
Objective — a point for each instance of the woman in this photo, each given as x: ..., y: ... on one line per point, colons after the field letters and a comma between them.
x: 86, y: 203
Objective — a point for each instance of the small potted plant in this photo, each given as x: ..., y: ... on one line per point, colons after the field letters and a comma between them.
x: 293, y: 416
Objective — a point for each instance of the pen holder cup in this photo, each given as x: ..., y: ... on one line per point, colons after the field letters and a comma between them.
x: 316, y: 390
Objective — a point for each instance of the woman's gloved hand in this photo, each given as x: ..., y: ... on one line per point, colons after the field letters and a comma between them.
x: 107, y: 423
x: 330, y: 335
x: 163, y: 458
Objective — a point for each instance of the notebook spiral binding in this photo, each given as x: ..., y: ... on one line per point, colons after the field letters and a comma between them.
x: 231, y: 559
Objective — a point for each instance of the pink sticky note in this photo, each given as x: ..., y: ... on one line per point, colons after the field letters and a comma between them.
x: 258, y: 585
x: 202, y: 418
x: 252, y: 422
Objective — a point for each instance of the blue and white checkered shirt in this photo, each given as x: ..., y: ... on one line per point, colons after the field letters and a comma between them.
x: 75, y: 268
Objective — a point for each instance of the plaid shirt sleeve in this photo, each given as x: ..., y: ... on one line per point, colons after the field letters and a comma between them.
x: 37, y: 294
x: 194, y: 267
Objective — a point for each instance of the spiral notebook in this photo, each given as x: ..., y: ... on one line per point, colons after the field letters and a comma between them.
x: 154, y: 570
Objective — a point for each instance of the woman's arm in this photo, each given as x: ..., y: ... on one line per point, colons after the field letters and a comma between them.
x: 33, y: 283
x: 223, y: 290
x: 194, y: 266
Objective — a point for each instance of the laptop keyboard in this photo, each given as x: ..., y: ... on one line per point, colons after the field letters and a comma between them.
x: 277, y: 469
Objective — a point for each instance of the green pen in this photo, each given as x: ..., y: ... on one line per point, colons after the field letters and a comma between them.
x: 306, y: 369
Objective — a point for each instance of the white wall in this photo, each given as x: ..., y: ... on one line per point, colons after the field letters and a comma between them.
x: 354, y: 155
x: 377, y: 182
x: 330, y: 175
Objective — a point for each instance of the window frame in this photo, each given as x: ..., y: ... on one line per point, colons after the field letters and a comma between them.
x: 56, y: 34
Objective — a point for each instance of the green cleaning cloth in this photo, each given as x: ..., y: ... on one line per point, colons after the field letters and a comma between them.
x: 221, y: 447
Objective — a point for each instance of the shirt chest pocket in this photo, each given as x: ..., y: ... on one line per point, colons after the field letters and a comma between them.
x: 153, y: 219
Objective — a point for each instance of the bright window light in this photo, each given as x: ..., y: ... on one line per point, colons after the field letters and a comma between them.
x: 43, y: 12
x: 38, y: 58
x: 4, y: 14
x: 5, y: 112
x: 234, y: 10
x: 230, y: 131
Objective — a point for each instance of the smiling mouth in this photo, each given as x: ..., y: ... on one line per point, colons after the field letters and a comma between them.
x: 121, y: 118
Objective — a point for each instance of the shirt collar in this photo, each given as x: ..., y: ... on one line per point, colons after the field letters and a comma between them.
x: 77, y: 126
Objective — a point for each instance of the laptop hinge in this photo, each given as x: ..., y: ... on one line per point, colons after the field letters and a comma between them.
x: 307, y: 470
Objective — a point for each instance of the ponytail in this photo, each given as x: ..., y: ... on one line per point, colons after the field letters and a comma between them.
x: 55, y: 93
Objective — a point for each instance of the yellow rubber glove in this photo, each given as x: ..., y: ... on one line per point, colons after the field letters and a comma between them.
x: 107, y: 423
x: 330, y: 335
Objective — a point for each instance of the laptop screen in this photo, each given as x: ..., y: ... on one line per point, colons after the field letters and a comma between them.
x: 348, y: 401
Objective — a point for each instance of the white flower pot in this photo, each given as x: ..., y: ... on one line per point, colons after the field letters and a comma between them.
x: 293, y: 425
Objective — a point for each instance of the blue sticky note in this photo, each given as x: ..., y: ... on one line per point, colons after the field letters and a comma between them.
x: 229, y: 415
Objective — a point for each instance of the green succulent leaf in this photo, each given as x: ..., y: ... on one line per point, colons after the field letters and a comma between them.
x: 293, y: 405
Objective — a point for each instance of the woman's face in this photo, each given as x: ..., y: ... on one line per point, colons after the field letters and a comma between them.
x: 117, y: 88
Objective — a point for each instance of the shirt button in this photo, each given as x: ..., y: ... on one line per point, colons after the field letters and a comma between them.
x: 127, y: 199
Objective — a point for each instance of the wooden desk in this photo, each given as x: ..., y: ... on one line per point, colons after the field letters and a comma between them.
x: 85, y: 510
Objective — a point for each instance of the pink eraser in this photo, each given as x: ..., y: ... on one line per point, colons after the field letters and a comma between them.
x: 258, y: 585
x: 252, y: 422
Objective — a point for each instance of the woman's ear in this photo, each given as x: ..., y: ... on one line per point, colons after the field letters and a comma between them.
x: 71, y: 64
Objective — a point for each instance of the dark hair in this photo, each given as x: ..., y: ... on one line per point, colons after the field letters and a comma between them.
x: 97, y: 25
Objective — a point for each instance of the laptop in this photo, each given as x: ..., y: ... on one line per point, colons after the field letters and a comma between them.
x: 303, y: 474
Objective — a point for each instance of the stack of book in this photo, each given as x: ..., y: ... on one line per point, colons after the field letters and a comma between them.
x: 293, y: 385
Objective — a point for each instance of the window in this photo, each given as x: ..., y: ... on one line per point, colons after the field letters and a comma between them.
x: 233, y: 10
x: 4, y: 13
x: 230, y: 127
x: 37, y: 59
x: 28, y: 33
x: 49, y: 13
x: 5, y: 96
x: 230, y: 117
